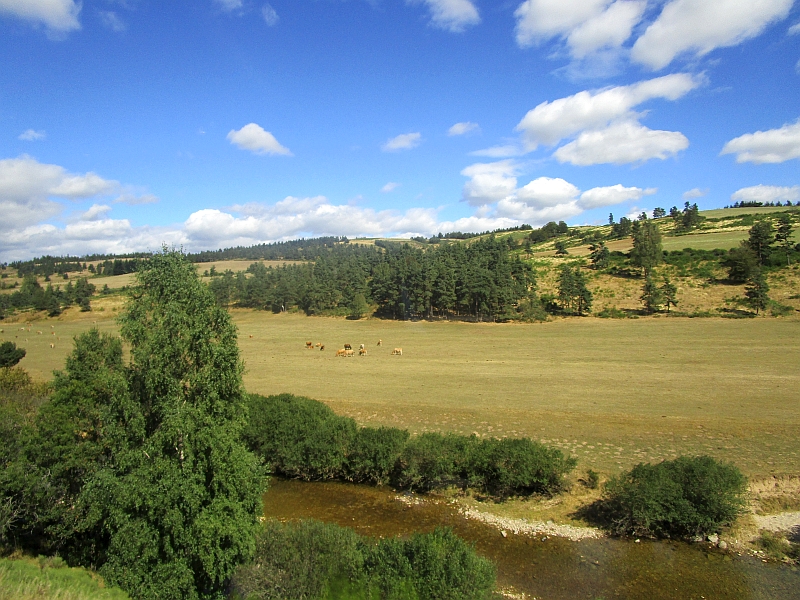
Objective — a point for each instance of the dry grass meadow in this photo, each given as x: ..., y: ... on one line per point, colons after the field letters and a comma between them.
x: 612, y: 392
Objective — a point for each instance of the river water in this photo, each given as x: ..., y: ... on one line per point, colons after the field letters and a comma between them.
x: 551, y: 568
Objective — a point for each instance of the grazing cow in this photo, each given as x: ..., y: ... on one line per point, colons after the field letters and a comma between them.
x: 309, y: 345
x: 341, y: 352
x: 380, y: 342
x: 251, y: 336
x: 348, y: 347
x: 361, y: 346
x: 52, y: 333
x: 318, y: 345
x: 321, y: 347
x: 38, y: 333
x: 362, y: 352
x: 52, y: 345
x: 397, y: 351
x: 349, y: 353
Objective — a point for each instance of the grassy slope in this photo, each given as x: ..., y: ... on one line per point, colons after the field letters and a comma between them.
x: 27, y: 579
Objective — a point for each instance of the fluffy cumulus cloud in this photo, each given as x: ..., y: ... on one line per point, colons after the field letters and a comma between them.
x: 493, y: 187
x: 254, y: 138
x: 463, y: 128
x: 767, y: 193
x: 31, y: 135
x: 621, y: 143
x: 404, y: 141
x: 550, y: 122
x: 586, y: 26
x: 489, y: 182
x: 58, y: 16
x: 700, y: 26
x: 771, y: 146
x: 611, y: 195
x: 451, y: 15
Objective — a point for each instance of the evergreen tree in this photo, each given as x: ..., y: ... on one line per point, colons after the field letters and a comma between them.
x: 669, y: 293
x: 647, y: 252
x: 741, y: 262
x: 573, y: 294
x: 690, y: 217
x: 10, y: 355
x: 783, y: 235
x: 756, y: 291
x: 659, y: 212
x: 179, y: 496
x: 561, y: 248
x: 760, y: 240
x: 600, y: 255
x: 651, y: 297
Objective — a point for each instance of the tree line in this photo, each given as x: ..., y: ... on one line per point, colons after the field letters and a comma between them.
x: 52, y: 299
x: 481, y: 280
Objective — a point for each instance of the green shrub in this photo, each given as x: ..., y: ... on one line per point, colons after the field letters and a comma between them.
x: 299, y: 437
x: 10, y: 355
x: 373, y: 454
x: 434, y: 460
x: 684, y: 497
x: 313, y: 560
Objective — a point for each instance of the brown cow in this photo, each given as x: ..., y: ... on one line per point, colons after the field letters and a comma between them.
x: 321, y: 347
x: 380, y: 342
x: 341, y: 352
x: 348, y: 347
x: 397, y: 351
x: 362, y: 352
x: 309, y: 345
x: 349, y: 353
x: 318, y: 344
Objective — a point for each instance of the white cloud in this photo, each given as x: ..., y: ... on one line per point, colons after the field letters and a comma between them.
x: 134, y: 198
x: 29, y: 190
x: 767, y: 193
x: 694, y: 193
x: 270, y: 16
x: 621, y: 143
x: 96, y: 212
x: 772, y: 146
x: 111, y: 21
x: 586, y: 25
x: 522, y: 212
x: 463, y: 128
x: 452, y: 15
x: 229, y: 5
x: 58, y: 16
x: 547, y: 192
x: 700, y: 26
x: 609, y: 29
x: 550, y: 122
x: 254, y: 138
x: 489, y: 182
x: 794, y: 29
x: 404, y: 141
x: 505, y: 151
x: 30, y: 135
x: 613, y: 194
x: 391, y: 186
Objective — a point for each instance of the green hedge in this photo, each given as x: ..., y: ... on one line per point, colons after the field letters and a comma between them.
x: 685, y: 497
x: 310, y: 560
x: 302, y: 438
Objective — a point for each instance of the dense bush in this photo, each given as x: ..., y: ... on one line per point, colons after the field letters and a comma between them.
x: 684, y: 497
x: 302, y: 438
x: 311, y: 560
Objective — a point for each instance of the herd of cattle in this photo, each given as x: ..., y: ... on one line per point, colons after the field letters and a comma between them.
x: 348, y: 351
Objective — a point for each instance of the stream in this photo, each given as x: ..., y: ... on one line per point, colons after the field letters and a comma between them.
x: 546, y: 568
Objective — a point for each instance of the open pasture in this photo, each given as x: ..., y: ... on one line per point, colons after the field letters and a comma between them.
x: 612, y: 392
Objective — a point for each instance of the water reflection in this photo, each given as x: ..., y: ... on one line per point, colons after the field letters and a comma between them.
x: 550, y: 568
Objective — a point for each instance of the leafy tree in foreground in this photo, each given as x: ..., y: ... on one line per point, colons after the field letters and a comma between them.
x: 179, y: 496
x: 10, y: 355
x: 756, y: 291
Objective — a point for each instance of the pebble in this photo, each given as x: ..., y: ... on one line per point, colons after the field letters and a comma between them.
x: 723, y: 545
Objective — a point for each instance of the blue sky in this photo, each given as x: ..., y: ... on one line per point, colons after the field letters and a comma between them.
x: 125, y: 124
